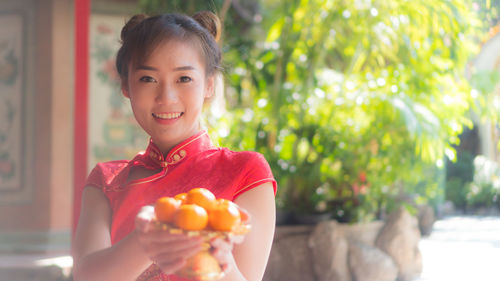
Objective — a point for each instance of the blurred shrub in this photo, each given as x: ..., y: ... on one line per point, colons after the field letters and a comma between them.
x: 355, y: 104
x: 459, y: 174
x: 484, y: 190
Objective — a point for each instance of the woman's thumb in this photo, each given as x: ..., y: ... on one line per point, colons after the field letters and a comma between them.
x: 143, y: 220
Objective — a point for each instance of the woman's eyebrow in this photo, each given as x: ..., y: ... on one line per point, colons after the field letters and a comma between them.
x: 146, y: 67
x: 181, y: 68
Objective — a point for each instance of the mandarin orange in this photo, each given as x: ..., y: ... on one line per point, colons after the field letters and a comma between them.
x: 201, y: 197
x: 165, y: 208
x: 191, y: 217
x: 181, y: 197
x: 201, y: 266
x: 225, y: 216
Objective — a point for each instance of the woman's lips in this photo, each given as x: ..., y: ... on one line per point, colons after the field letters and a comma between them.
x: 168, y: 117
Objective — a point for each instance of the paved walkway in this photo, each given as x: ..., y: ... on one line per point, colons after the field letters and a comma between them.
x: 462, y: 248
x: 49, y: 267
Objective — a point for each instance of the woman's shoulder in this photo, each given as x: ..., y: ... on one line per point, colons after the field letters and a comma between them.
x: 249, y: 167
x: 112, y: 166
x: 104, y: 173
x: 246, y: 157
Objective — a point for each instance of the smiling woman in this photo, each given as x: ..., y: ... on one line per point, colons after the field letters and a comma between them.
x: 167, y: 65
x: 167, y: 92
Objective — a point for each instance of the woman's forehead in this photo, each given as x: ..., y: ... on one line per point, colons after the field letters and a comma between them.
x: 174, y: 50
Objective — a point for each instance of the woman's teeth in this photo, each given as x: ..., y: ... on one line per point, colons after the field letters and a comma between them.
x: 167, y: 115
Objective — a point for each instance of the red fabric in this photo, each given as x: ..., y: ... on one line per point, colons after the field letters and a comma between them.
x: 193, y: 163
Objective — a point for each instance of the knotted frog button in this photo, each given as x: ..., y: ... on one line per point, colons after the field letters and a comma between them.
x: 182, y: 153
x: 177, y: 157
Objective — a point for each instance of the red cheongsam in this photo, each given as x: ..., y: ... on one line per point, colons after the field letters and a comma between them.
x: 193, y: 163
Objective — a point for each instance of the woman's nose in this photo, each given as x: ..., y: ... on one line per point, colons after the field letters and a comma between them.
x: 167, y: 94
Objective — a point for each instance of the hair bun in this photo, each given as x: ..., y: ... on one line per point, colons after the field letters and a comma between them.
x: 131, y: 23
x: 209, y: 21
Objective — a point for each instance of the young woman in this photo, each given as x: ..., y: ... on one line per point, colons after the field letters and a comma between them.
x: 168, y: 65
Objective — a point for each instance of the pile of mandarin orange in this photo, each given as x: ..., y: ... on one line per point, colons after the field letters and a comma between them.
x: 198, y: 209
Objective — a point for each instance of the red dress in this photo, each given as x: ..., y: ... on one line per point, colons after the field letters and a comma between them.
x: 193, y: 163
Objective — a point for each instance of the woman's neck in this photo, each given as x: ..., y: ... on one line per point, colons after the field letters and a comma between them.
x: 166, y: 146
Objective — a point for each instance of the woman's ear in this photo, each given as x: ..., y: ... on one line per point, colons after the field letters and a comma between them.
x: 210, y: 87
x: 124, y: 87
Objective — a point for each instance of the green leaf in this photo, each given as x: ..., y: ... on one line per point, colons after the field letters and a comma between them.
x: 275, y: 30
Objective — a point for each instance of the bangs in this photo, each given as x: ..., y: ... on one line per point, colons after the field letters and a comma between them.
x: 143, y: 46
x: 142, y: 40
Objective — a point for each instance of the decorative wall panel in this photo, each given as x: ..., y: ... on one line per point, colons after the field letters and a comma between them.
x: 16, y: 100
x: 113, y: 131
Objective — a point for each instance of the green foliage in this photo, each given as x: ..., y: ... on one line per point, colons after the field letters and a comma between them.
x: 484, y: 84
x: 488, y: 11
x: 335, y: 90
x: 459, y: 175
x: 484, y: 190
x: 354, y: 103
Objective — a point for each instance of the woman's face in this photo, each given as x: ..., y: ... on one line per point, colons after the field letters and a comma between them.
x: 167, y: 92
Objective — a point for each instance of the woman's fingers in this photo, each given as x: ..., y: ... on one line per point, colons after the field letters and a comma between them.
x: 161, y: 236
x: 172, y: 261
x: 222, y: 251
x: 172, y: 256
x: 144, y: 219
x: 175, y: 248
x: 222, y: 244
x: 238, y: 239
x: 164, y: 237
x: 170, y: 251
x: 170, y: 267
x: 162, y: 245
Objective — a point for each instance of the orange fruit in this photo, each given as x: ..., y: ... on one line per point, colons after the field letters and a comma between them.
x: 223, y: 201
x: 191, y: 217
x: 201, y: 266
x: 181, y: 197
x: 201, y: 197
x: 165, y: 208
x: 225, y: 216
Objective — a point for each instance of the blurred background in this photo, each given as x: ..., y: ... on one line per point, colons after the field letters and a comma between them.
x: 368, y: 111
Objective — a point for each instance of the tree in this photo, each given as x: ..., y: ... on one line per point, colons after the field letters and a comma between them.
x: 353, y: 103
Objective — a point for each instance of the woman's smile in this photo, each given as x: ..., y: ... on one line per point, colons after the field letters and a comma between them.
x: 167, y: 118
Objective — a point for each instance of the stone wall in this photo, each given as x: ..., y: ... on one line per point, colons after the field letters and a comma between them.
x: 377, y: 251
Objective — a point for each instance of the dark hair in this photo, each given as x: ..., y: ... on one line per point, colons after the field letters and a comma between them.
x: 142, y: 34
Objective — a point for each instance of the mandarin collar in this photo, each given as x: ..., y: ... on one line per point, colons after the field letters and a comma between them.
x: 152, y: 158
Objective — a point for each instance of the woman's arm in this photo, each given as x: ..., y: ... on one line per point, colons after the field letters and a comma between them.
x: 252, y: 255
x: 94, y: 257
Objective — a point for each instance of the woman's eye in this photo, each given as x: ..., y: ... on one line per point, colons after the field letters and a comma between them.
x: 185, y: 79
x: 147, y: 79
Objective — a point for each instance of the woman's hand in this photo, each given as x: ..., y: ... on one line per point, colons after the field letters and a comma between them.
x: 222, y: 249
x: 168, y: 251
